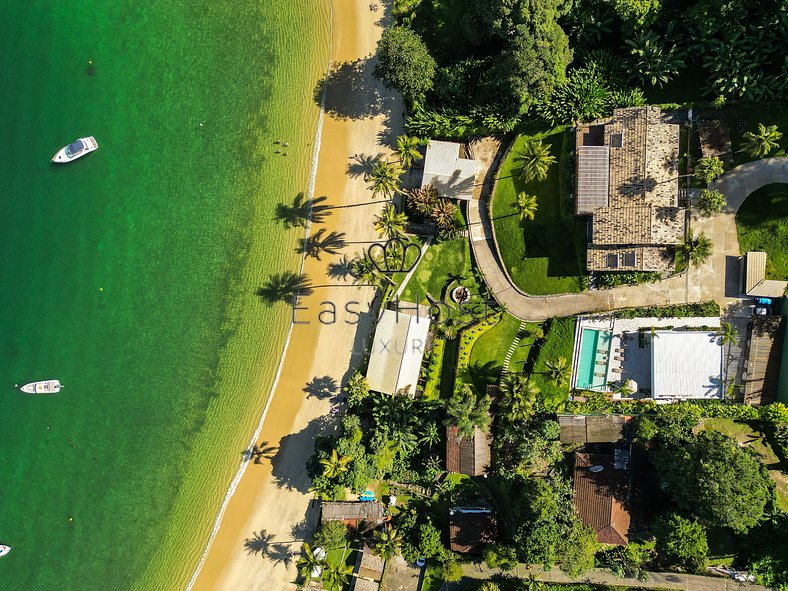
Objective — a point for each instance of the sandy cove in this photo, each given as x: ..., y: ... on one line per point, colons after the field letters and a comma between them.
x: 272, y: 501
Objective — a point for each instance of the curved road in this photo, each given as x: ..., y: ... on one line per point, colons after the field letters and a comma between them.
x: 716, y: 279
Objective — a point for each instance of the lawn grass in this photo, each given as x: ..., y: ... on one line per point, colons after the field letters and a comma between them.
x: 541, y: 255
x: 489, y: 351
x: 432, y: 578
x: 754, y: 440
x: 762, y: 224
x: 437, y: 267
x: 559, y: 341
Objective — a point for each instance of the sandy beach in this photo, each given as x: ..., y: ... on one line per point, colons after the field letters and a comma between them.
x: 269, y: 513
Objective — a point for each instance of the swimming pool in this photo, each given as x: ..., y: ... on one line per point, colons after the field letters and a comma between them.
x: 591, y: 363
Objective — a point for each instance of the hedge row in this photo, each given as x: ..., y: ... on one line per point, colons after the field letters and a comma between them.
x: 776, y: 413
x: 677, y: 311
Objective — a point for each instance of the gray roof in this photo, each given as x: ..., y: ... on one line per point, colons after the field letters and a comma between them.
x: 452, y: 176
x: 755, y: 282
x: 397, y: 352
x: 593, y: 178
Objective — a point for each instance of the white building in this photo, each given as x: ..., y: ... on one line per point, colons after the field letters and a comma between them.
x: 397, y: 351
x: 686, y: 365
x: 446, y: 170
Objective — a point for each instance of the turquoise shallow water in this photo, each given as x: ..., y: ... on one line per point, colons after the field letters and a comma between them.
x: 129, y: 275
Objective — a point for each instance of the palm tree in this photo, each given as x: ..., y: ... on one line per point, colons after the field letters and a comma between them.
x: 443, y: 213
x: 728, y: 334
x: 365, y: 272
x: 526, y: 206
x: 519, y: 396
x: 558, y: 371
x: 536, y: 159
x: 390, y: 223
x: 466, y: 412
x: 383, y: 178
x: 308, y: 562
x: 430, y: 435
x: 448, y: 331
x: 334, y: 465
x: 697, y: 250
x: 387, y: 542
x: 408, y: 150
x: 422, y: 201
x: 761, y: 142
x: 708, y: 169
x: 336, y: 576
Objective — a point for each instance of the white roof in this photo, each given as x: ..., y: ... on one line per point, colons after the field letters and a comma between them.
x: 397, y: 351
x: 686, y: 364
x: 451, y: 175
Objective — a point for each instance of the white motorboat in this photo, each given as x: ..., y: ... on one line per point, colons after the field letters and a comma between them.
x: 76, y: 150
x: 42, y: 387
x: 4, y: 550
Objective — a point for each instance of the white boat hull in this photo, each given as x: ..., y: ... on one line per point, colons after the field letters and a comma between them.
x: 75, y: 150
x: 42, y: 387
x: 4, y: 550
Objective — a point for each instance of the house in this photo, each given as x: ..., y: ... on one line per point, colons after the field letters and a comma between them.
x: 753, y: 274
x: 763, y: 359
x: 448, y: 171
x: 469, y: 455
x: 353, y: 513
x: 686, y: 365
x: 397, y: 350
x: 592, y: 429
x: 627, y: 182
x: 601, y: 493
x: 470, y: 528
x: 369, y: 570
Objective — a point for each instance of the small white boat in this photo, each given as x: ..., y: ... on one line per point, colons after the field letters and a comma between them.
x: 76, y: 150
x: 4, y: 550
x: 42, y: 387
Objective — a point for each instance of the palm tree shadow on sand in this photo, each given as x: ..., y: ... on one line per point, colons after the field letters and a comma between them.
x: 302, y: 211
x: 351, y: 92
x: 321, y: 387
x: 320, y: 242
x: 284, y: 287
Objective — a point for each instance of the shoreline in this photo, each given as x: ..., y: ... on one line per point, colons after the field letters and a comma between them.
x: 310, y: 191
x: 269, y: 512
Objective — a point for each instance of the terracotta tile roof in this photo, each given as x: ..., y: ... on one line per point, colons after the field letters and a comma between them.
x: 470, y: 455
x: 641, y: 179
x: 470, y: 528
x: 630, y: 258
x: 600, y: 497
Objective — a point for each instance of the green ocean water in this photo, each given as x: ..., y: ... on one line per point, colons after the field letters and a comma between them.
x: 130, y: 274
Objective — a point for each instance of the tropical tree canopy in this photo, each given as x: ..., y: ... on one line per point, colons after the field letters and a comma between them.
x: 708, y: 169
x: 697, y: 249
x: 526, y: 206
x: 711, y: 201
x: 383, y: 177
x: 391, y: 223
x: 466, y: 411
x: 760, y: 143
x: 387, y: 542
x: 682, y: 541
x: 408, y: 150
x: 404, y: 63
x: 712, y: 477
x: 536, y: 161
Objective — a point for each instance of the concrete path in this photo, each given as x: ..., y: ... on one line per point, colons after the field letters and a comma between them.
x: 717, y: 279
x: 683, y: 582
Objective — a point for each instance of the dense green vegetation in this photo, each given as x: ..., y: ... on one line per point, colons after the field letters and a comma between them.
x: 762, y: 224
x: 545, y: 255
x: 558, y: 344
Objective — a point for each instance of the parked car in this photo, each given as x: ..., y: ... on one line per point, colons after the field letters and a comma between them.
x: 760, y: 311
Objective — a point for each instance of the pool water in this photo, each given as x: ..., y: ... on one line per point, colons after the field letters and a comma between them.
x: 591, y: 364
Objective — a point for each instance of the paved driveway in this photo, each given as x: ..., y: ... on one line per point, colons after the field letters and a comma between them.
x: 716, y: 279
